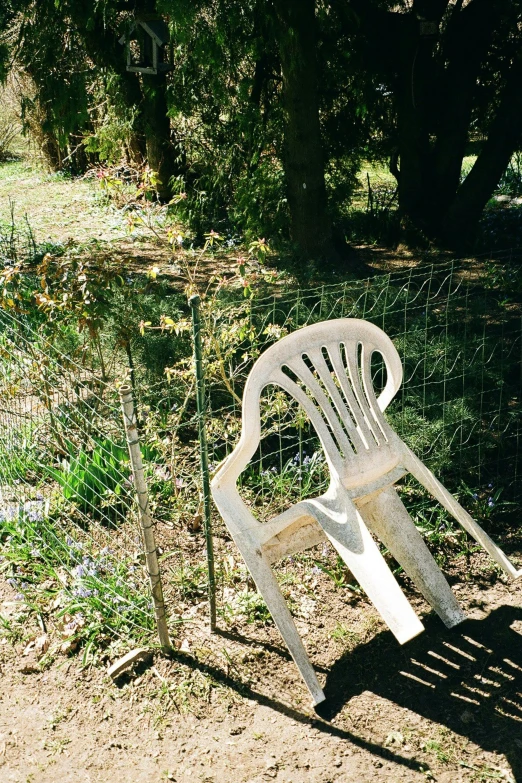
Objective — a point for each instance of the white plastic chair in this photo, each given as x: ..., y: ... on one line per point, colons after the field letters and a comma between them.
x: 327, y: 369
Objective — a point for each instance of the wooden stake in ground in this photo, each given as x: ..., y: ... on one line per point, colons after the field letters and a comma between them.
x: 147, y: 525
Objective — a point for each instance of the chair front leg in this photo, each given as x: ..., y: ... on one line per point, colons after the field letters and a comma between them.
x: 247, y: 533
x: 268, y: 586
x: 425, y: 477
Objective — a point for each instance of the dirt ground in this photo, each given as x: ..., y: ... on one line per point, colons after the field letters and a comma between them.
x: 231, y: 707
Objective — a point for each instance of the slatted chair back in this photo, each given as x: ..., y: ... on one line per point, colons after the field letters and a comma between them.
x: 327, y: 369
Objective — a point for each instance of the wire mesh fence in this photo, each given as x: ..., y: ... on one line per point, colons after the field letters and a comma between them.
x: 65, y: 479
x: 459, y: 405
x: 68, y: 517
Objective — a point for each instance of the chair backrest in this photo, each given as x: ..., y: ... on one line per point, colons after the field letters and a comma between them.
x: 327, y: 369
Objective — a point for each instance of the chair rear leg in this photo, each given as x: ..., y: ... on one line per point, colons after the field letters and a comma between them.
x: 446, y: 499
x: 269, y: 588
x: 387, y: 517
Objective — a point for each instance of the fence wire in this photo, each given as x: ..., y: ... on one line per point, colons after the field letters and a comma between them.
x: 459, y: 407
x: 66, y: 496
x: 67, y: 509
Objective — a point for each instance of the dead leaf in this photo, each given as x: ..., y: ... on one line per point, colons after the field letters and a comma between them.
x: 394, y: 738
x: 70, y: 625
x: 69, y: 646
x: 29, y: 647
x: 29, y: 667
x: 41, y: 645
x: 63, y: 576
x: 128, y: 661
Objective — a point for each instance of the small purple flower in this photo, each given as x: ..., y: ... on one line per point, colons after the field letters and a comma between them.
x: 491, y: 502
x: 12, y: 582
x: 82, y: 592
x: 162, y: 472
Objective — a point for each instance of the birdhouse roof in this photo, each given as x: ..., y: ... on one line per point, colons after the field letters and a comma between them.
x: 157, y: 29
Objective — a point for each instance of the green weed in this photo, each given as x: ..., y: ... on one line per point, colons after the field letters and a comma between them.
x: 95, y: 480
x: 251, y: 604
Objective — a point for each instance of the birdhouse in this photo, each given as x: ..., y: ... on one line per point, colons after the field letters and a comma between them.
x: 146, y: 45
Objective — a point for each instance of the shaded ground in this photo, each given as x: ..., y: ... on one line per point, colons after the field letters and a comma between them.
x: 61, y: 210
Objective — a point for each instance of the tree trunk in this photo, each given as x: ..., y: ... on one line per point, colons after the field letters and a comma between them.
x: 160, y: 152
x: 503, y: 140
x: 413, y: 122
x: 303, y: 153
x: 133, y: 97
x: 435, y: 91
x: 468, y: 37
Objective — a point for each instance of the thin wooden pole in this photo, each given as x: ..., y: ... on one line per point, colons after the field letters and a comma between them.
x: 194, y: 303
x: 147, y: 525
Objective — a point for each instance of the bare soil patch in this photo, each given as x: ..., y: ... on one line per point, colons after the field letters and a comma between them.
x: 231, y: 706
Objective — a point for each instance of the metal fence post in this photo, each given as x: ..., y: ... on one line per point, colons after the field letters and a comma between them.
x: 194, y: 303
x: 147, y: 525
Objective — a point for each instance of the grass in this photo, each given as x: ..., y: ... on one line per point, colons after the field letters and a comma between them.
x: 60, y: 208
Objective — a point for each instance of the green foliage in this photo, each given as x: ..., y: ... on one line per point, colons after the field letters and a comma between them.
x: 339, y: 574
x: 252, y: 605
x: 95, y: 480
x: 511, y: 182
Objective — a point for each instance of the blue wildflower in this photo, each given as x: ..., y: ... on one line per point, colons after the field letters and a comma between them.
x: 82, y: 592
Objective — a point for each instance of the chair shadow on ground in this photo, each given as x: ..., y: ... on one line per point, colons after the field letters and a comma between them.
x: 468, y: 679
